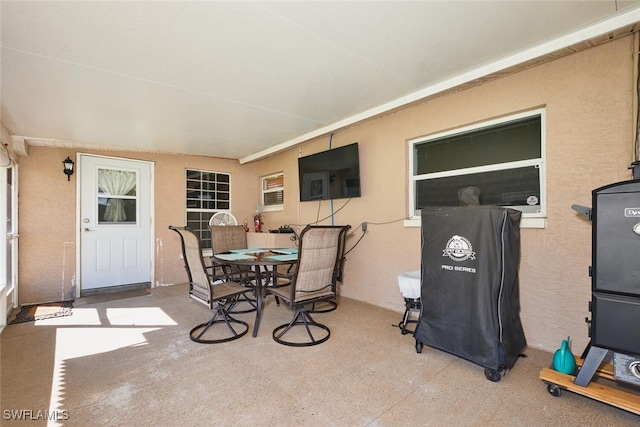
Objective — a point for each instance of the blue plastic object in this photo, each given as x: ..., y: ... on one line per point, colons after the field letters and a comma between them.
x: 563, y: 359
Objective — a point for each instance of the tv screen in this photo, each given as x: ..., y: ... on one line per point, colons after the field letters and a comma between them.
x: 331, y: 174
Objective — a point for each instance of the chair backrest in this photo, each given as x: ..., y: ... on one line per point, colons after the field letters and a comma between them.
x: 199, y: 281
x: 225, y: 238
x: 318, y: 262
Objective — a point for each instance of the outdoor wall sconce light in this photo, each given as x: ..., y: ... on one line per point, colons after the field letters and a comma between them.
x: 68, y: 167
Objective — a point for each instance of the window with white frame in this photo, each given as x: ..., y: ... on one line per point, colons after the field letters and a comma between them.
x: 503, y: 159
x: 273, y: 192
x: 206, y: 193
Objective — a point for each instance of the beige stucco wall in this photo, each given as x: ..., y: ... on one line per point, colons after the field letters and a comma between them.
x: 588, y: 100
x: 588, y: 97
x: 47, y: 215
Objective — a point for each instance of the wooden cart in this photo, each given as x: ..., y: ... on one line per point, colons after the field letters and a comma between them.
x: 614, y: 396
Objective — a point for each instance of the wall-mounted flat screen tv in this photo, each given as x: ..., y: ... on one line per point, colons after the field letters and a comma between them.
x: 331, y: 174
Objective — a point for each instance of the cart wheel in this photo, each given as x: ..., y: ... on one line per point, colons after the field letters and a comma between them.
x: 554, y: 390
x: 418, y: 347
x: 492, y: 375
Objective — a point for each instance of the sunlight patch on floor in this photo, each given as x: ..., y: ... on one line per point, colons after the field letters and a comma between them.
x: 143, y: 316
x: 81, y: 339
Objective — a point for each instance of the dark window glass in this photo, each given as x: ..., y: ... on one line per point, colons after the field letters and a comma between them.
x: 509, y: 142
x: 273, y: 198
x: 511, y: 187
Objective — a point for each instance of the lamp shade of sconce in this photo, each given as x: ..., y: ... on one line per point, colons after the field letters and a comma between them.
x: 68, y: 167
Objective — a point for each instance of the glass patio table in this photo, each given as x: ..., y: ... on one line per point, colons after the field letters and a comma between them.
x: 264, y: 263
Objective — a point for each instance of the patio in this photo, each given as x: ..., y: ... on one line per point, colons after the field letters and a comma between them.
x: 130, y: 362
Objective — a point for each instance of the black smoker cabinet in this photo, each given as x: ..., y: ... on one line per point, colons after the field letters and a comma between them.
x: 469, y: 285
x: 615, y: 275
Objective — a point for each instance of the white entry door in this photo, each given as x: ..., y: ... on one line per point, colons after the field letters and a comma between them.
x: 116, y: 227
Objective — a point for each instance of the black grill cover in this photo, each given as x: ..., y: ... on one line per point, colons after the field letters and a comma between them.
x: 469, y: 287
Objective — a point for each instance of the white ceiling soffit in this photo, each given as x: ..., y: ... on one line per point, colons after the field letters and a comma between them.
x: 244, y: 80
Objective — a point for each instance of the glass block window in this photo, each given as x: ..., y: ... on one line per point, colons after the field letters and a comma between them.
x: 206, y: 193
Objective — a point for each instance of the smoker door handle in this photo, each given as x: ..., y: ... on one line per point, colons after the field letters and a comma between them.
x: 582, y: 210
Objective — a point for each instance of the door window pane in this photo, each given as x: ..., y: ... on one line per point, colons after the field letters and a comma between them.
x: 117, y: 196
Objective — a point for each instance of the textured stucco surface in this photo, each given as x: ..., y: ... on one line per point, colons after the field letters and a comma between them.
x: 588, y: 98
x: 47, y: 217
x: 589, y: 143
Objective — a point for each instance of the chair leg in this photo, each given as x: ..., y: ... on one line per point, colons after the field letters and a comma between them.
x: 301, y: 318
x: 243, y: 298
x: 197, y: 333
x: 277, y: 300
x: 325, y: 307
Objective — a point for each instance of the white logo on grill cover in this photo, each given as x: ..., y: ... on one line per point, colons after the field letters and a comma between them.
x: 459, y: 249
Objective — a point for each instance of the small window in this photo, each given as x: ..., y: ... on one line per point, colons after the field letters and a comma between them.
x: 117, y: 196
x: 273, y: 192
x: 501, y: 160
x: 206, y: 193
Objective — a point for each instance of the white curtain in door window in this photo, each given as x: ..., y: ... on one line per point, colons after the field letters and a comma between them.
x: 115, y: 183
